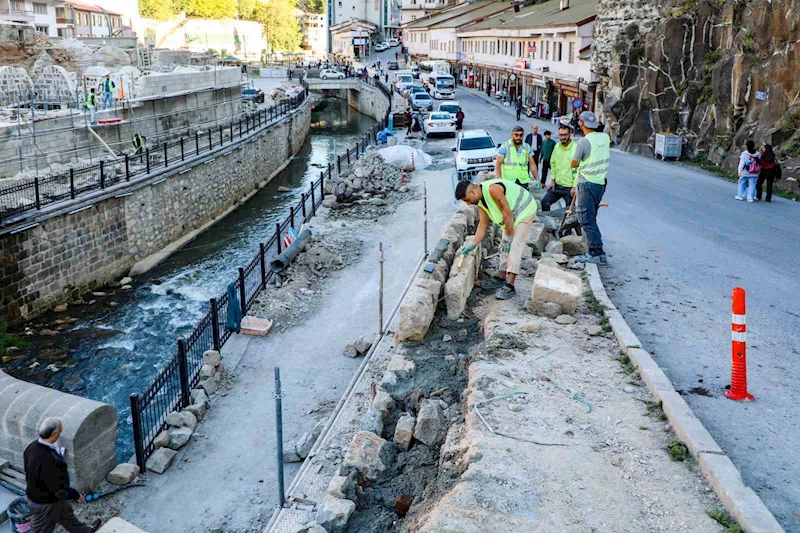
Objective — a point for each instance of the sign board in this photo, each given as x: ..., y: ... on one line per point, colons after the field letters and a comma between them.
x: 513, y: 77
x: 532, y: 48
x: 521, y: 63
x: 577, y: 103
x: 359, y: 41
x: 761, y: 95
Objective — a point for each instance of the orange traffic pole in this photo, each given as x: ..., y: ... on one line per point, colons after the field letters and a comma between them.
x: 738, y: 390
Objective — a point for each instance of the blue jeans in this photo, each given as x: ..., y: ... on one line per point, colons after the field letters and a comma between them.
x: 92, y: 115
x: 747, y: 184
x: 588, y: 202
x: 107, y: 100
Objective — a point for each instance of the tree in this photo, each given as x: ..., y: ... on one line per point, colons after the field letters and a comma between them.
x: 210, y: 9
x: 312, y: 6
x: 280, y: 24
x: 246, y: 9
x: 157, y: 9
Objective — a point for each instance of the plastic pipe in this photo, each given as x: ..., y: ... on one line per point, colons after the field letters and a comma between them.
x: 287, y: 256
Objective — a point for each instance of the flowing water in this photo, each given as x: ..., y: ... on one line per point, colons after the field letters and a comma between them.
x: 114, y: 351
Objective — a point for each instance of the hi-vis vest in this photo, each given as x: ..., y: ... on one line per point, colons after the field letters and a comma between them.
x: 108, y: 86
x: 90, y: 100
x: 515, y: 166
x: 595, y: 168
x: 520, y: 201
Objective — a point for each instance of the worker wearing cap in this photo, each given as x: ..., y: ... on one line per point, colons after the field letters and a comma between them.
x: 511, y: 207
x: 515, y: 162
x: 592, y: 159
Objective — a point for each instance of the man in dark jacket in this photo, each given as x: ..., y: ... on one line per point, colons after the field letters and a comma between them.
x: 48, y: 490
x: 534, y: 139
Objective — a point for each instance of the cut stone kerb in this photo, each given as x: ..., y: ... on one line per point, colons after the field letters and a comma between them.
x: 89, y: 428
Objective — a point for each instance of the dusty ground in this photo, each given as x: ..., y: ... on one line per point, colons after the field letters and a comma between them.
x: 582, y: 450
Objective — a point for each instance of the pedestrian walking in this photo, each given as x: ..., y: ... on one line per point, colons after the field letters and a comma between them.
x: 408, y: 118
x: 592, y: 159
x: 770, y: 169
x: 518, y: 107
x: 547, y: 150
x: 562, y: 184
x: 534, y: 139
x: 290, y: 73
x: 512, y: 208
x: 515, y: 162
x: 108, y: 92
x: 48, y: 491
x: 459, y: 119
x: 749, y: 169
x: 91, y: 105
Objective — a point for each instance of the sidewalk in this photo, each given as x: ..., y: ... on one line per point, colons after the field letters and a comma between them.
x: 509, y: 109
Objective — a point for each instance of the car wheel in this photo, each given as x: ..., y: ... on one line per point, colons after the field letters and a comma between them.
x: 324, y: 77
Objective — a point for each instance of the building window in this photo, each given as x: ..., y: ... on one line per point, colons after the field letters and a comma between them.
x: 547, y: 50
x: 558, y: 49
x: 42, y: 29
x: 17, y: 6
x: 40, y: 9
x: 571, y: 57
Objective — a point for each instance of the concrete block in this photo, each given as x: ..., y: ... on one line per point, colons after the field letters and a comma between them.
x: 552, y: 284
x: 538, y: 238
x: 739, y: 500
x: 655, y: 379
x: 688, y: 428
x: 625, y: 336
x: 118, y: 525
x: 461, y: 282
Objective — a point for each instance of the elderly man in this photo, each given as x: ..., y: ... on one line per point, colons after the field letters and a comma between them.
x: 511, y: 207
x: 48, y: 491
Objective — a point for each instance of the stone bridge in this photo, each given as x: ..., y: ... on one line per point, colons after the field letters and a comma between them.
x: 365, y: 97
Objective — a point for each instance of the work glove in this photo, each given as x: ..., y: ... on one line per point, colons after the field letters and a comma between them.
x: 467, y: 248
x: 505, y: 244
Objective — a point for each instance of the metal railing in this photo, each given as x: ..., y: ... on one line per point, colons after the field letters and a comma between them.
x: 35, y: 193
x: 170, y: 390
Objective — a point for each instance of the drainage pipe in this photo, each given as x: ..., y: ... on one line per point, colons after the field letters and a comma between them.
x: 287, y: 256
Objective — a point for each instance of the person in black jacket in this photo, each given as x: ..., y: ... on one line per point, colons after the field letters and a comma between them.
x: 48, y: 489
x: 534, y: 139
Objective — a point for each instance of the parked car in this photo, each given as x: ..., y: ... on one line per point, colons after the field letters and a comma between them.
x: 414, y: 70
x: 449, y: 107
x: 254, y: 95
x: 414, y: 88
x: 439, y: 123
x: 394, y: 42
x: 475, y: 150
x: 380, y: 47
x: 421, y: 101
x: 330, y: 73
x: 392, y: 65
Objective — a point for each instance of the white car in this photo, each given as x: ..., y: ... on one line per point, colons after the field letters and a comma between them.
x: 393, y: 42
x: 380, y: 47
x: 330, y: 73
x: 475, y: 150
x: 449, y: 107
x: 439, y: 123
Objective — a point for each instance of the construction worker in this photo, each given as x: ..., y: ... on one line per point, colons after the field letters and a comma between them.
x: 511, y: 207
x: 108, y: 90
x: 515, y: 161
x: 138, y: 143
x: 592, y: 159
x: 563, y: 175
x: 91, y: 105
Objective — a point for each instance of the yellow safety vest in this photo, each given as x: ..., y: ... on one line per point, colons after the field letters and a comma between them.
x: 595, y: 168
x: 561, y: 164
x: 90, y: 100
x: 521, y: 202
x: 515, y: 165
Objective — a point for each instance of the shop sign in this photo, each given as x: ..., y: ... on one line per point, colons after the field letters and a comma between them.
x: 532, y: 49
x: 571, y: 94
x: 521, y: 63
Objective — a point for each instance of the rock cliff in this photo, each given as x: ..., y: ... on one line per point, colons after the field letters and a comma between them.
x: 718, y: 72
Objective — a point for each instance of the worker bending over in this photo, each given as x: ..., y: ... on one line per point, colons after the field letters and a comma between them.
x: 511, y: 207
x: 515, y: 162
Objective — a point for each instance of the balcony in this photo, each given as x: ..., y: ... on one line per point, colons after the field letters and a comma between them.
x: 16, y: 15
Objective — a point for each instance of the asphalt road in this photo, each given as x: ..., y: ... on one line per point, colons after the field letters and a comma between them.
x: 678, y: 243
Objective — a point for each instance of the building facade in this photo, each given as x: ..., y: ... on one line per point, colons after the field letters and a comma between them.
x: 416, y: 9
x: 385, y: 15
x: 314, y: 29
x: 57, y: 18
x: 417, y: 34
x: 352, y: 39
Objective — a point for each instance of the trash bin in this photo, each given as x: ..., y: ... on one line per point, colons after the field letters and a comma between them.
x: 19, y: 516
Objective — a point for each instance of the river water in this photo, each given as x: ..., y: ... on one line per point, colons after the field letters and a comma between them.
x: 111, y: 352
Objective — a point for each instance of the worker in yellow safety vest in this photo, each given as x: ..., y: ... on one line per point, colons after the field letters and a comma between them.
x: 511, y: 207
x: 515, y: 162
x: 592, y: 159
x: 91, y: 105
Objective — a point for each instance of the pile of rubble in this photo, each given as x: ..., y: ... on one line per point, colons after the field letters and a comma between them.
x: 368, y: 181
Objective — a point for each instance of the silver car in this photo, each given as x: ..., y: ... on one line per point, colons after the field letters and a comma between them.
x: 421, y: 101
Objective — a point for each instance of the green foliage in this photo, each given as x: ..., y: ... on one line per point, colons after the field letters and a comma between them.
x: 677, y: 451
x: 8, y: 340
x: 711, y: 57
x: 210, y: 9
x: 281, y: 27
x: 707, y: 95
x: 684, y: 8
x: 158, y: 9
x: 312, y: 6
x: 246, y: 9
x: 725, y: 520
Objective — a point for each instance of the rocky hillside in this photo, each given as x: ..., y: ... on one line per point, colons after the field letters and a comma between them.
x: 718, y: 72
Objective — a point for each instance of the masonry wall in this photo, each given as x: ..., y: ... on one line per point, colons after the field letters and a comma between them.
x: 369, y: 101
x: 69, y: 252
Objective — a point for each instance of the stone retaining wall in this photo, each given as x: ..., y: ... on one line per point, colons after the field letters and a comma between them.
x: 89, y: 428
x: 69, y: 252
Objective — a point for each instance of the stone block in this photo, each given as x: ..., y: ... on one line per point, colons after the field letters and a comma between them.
x: 334, y: 513
x: 383, y: 402
x: 304, y: 444
x: 123, y: 474
x: 403, y: 432
x: 160, y: 460
x: 350, y: 350
x: 206, y: 371
x: 197, y: 409
x: 554, y: 247
x: 431, y: 426
x: 162, y: 440
x: 118, y: 525
x: 209, y: 386
x: 459, y: 224
x: 538, y: 238
x: 433, y: 286
x: 368, y: 455
x: 574, y: 245
x: 178, y: 437
x: 342, y: 486
x: 461, y: 282
x: 372, y: 421
x: 199, y: 396
x: 553, y: 285
x: 364, y: 343
x: 416, y: 313
x: 402, y: 367
x: 211, y: 357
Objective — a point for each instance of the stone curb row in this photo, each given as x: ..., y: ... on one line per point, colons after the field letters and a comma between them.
x: 743, y: 504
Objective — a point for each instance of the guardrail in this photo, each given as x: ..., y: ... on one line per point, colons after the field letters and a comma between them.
x: 35, y: 193
x: 169, y: 390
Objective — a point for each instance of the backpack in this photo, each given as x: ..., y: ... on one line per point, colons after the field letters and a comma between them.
x: 754, y: 166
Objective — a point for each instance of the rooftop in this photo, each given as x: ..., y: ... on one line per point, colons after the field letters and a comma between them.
x: 447, y: 14
x: 93, y: 9
x: 543, y: 15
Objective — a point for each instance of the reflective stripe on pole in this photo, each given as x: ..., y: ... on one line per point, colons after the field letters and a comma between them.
x: 738, y: 390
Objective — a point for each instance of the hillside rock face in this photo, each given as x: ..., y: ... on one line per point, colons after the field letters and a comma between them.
x: 702, y: 68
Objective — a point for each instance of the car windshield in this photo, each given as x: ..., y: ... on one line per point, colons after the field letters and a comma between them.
x: 449, y: 108
x: 477, y: 143
x: 405, y: 78
x: 440, y: 116
x: 444, y: 83
x: 422, y: 96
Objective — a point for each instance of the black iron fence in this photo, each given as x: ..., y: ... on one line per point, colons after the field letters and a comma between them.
x: 169, y: 390
x: 35, y: 193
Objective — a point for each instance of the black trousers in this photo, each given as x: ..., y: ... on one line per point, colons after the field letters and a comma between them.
x: 46, y: 516
x: 545, y: 170
x: 555, y: 194
x: 768, y: 175
x: 519, y: 112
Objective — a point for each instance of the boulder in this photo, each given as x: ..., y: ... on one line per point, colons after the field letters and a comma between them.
x: 290, y: 454
x: 126, y: 281
x: 372, y: 421
x: 416, y: 314
x: 178, y: 437
x: 206, y: 371
x: 403, y: 432
x: 123, y: 474
x: 554, y: 247
x: 403, y: 368
x: 364, y: 343
x: 161, y: 440
x: 574, y: 245
x: 182, y: 419
x: 538, y: 237
x: 430, y: 427
x: 209, y: 386
x: 565, y: 319
x: 304, y: 444
x: 197, y: 409
x: 553, y: 285
x: 333, y: 514
x: 350, y: 350
x: 383, y: 402
x: 199, y: 396
x: 160, y: 460
x: 212, y: 357
x: 342, y: 486
x: 368, y: 455
x: 329, y: 201
x: 546, y: 309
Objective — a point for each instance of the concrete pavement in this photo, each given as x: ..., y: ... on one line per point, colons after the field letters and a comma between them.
x: 678, y: 243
